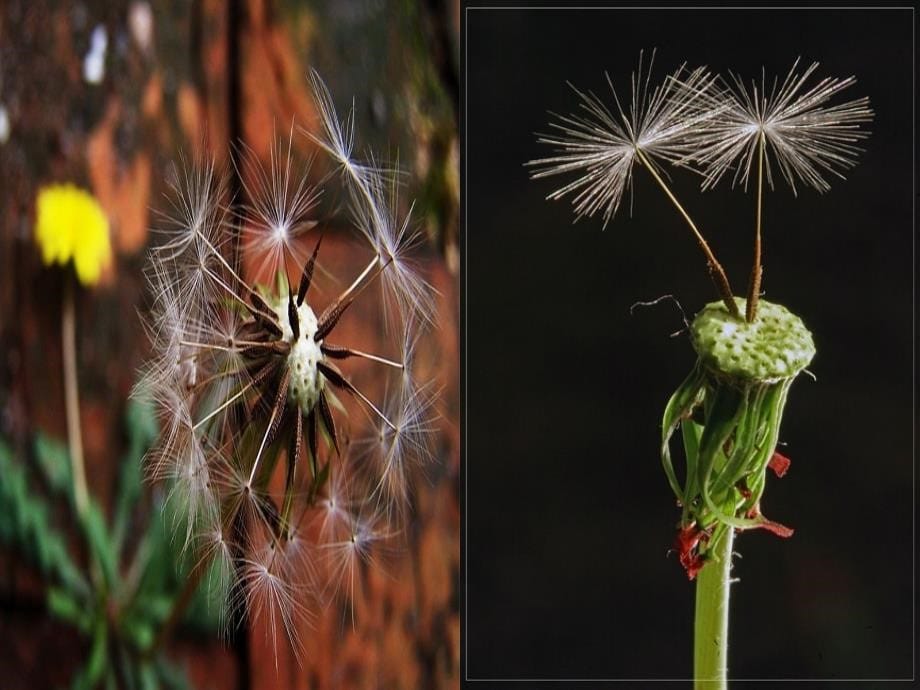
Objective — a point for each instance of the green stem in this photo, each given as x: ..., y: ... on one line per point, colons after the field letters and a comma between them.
x: 710, y: 654
x: 72, y: 397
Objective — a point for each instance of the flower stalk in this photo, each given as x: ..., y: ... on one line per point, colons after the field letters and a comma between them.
x: 756, y: 268
x: 710, y: 647
x: 72, y: 396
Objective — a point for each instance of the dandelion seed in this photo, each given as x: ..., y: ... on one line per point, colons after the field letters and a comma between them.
x: 199, y: 212
x: 332, y: 515
x: 270, y: 594
x: 373, y: 193
x: 805, y: 137
x: 395, y: 451
x: 278, y: 213
x: 215, y: 550
x: 361, y: 546
x: 602, y: 146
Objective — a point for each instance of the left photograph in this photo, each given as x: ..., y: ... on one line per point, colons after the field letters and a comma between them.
x: 229, y: 345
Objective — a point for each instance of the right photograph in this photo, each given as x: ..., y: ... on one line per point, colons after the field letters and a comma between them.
x: 689, y: 345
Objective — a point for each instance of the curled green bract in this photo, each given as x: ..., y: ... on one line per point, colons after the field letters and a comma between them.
x: 729, y: 410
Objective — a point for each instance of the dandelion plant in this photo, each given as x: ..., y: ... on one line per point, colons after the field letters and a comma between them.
x: 749, y: 351
x: 71, y: 227
x: 286, y: 485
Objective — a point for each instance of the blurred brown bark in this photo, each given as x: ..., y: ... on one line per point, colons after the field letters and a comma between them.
x: 193, y: 79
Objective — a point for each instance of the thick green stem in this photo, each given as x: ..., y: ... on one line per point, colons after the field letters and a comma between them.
x: 710, y: 653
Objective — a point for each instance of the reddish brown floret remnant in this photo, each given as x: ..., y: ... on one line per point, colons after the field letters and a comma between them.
x: 686, y: 543
x: 779, y: 463
x: 776, y: 528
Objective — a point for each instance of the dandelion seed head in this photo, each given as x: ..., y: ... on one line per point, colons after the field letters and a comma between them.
x: 305, y: 354
x: 246, y: 366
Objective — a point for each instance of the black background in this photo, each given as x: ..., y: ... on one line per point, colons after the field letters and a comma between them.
x: 568, y: 514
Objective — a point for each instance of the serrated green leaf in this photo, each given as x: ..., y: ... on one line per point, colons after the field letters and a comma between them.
x: 25, y: 524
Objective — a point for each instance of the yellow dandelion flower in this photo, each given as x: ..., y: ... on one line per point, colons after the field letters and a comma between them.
x: 70, y: 224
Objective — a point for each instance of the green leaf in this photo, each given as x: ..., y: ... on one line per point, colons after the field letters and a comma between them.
x: 141, y: 427
x: 100, y: 545
x: 157, y: 608
x: 96, y: 664
x: 148, y: 677
x: 171, y: 676
x: 140, y: 632
x: 207, y: 607
x: 53, y: 459
x: 25, y: 524
x: 141, y: 423
x: 62, y: 604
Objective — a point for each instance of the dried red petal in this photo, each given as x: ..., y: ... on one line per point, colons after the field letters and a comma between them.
x: 779, y: 463
x: 685, y: 543
x: 776, y: 528
x: 693, y: 564
x: 687, y: 538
